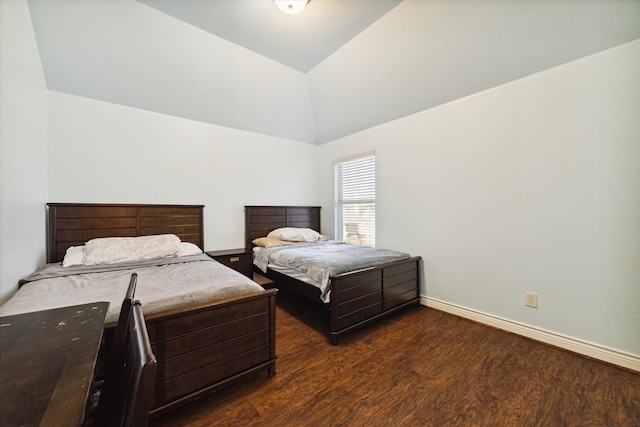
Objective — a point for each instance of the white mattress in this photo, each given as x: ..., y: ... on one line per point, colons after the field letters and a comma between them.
x: 298, y: 275
x: 195, y: 280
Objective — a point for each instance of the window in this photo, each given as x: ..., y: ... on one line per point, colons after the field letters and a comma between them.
x: 354, y: 181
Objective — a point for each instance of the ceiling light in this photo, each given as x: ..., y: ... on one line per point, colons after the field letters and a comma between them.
x: 291, y: 6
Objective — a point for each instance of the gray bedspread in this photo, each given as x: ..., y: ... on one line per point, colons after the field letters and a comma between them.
x: 163, y: 284
x: 322, y: 260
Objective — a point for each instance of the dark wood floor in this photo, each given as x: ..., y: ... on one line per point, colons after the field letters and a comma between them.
x: 422, y: 367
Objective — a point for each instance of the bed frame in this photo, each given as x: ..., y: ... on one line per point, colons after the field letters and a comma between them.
x: 199, y: 349
x: 357, y: 298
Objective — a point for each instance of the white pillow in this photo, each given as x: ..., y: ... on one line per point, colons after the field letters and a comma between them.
x: 73, y: 256
x: 187, y: 249
x: 295, y: 234
x: 110, y: 250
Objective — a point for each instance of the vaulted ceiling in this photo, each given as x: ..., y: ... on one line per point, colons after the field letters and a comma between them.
x: 337, y: 68
x: 300, y: 42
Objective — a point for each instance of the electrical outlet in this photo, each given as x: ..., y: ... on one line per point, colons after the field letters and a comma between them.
x: 531, y: 299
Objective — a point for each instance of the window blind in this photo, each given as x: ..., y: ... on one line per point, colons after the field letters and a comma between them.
x: 355, y: 199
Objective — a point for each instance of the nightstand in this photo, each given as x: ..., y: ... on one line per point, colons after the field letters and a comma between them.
x: 240, y: 260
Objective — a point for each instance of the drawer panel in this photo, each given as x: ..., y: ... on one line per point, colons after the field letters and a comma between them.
x: 350, y: 306
x: 221, y: 315
x: 397, y: 269
x: 357, y: 279
x: 214, y: 354
x: 358, y: 316
x: 211, y: 336
x: 210, y: 375
x: 409, y: 286
x: 399, y: 300
x: 245, y: 268
x: 411, y: 275
x: 360, y: 291
x: 236, y: 259
x: 233, y: 258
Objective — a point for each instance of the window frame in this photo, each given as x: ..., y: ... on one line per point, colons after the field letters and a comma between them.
x: 355, y: 189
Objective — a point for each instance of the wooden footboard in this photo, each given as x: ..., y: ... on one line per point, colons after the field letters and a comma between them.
x: 200, y: 349
x: 361, y: 297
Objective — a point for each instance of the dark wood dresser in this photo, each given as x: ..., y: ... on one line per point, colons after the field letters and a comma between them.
x: 240, y: 260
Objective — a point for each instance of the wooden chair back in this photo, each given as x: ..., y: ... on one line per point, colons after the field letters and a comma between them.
x: 136, y: 379
x: 128, y: 389
x: 123, y: 320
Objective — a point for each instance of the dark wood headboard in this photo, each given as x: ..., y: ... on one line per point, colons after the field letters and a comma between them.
x: 73, y: 224
x: 260, y: 220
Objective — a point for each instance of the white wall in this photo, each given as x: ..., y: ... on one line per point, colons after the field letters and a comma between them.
x: 425, y: 53
x: 108, y: 153
x: 127, y: 53
x: 531, y: 186
x: 23, y: 149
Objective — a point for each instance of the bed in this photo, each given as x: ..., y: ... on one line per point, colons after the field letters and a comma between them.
x: 201, y: 342
x: 355, y: 298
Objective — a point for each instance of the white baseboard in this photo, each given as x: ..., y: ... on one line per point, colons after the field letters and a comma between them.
x: 609, y: 355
